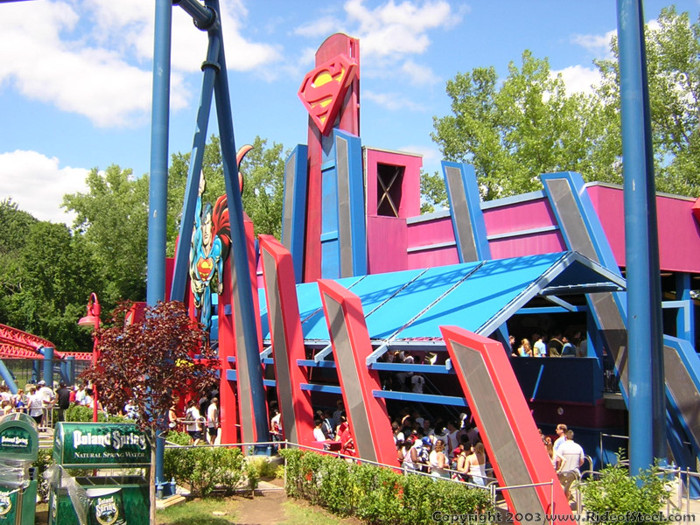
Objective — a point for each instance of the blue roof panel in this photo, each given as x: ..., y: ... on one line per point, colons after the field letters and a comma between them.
x: 481, y: 296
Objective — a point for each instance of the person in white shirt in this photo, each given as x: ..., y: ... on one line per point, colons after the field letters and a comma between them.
x: 540, y: 349
x: 417, y: 382
x: 36, y: 405
x: 571, y: 454
x: 193, y: 422
x: 570, y: 458
x: 561, y: 437
x: 318, y: 432
x: 213, y: 420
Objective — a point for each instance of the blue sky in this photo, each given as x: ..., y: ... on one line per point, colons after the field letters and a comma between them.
x: 76, y: 75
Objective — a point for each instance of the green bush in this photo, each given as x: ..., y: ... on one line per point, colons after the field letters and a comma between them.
x: 615, y: 493
x: 262, y: 467
x: 83, y: 414
x: 178, y: 438
x: 376, y: 494
x: 205, y: 469
x: 43, y: 461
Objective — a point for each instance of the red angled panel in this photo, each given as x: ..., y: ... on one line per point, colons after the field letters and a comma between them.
x: 367, y: 416
x: 347, y: 119
x: 505, y: 423
x: 287, y: 341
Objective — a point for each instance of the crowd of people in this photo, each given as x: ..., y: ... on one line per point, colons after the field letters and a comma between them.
x: 447, y: 448
x: 39, y: 400
x: 201, y: 418
x: 558, y: 345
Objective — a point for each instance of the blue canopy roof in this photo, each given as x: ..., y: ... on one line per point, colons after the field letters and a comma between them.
x: 478, y: 296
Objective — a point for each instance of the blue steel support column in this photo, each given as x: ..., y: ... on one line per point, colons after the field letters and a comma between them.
x: 685, y: 321
x: 646, y: 377
x: 70, y: 370
x: 7, y: 377
x: 182, y: 254
x: 157, y: 198
x: 238, y: 242
x: 48, y: 366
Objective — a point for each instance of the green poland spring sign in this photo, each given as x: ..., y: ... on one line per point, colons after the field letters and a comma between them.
x: 8, y: 505
x: 15, y: 440
x: 110, y: 445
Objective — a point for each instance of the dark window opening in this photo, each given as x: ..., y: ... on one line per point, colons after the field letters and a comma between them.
x: 389, y: 182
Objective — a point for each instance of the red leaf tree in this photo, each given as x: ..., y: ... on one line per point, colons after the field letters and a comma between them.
x: 151, y: 363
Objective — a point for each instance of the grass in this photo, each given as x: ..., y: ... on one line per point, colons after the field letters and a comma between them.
x: 301, y: 514
x: 200, y: 512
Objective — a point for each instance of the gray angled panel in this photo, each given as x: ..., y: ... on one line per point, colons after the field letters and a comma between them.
x: 350, y: 380
x: 280, y: 350
x: 245, y: 404
x: 681, y: 386
x: 344, y: 218
x: 604, y: 306
x: 497, y: 429
x: 461, y: 213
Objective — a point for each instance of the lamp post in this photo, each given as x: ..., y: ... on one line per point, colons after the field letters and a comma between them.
x: 93, y: 319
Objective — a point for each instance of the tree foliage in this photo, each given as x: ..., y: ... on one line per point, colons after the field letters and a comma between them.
x: 514, y: 130
x: 673, y: 69
x: 150, y: 362
x: 46, y: 276
x: 112, y: 218
x: 433, y: 192
x: 262, y: 170
x: 47, y: 271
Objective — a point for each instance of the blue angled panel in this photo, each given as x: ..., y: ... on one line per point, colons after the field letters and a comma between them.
x: 465, y: 210
x: 352, y: 232
x: 330, y: 243
x: 294, y: 206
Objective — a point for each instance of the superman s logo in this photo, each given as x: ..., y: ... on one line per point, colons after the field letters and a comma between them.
x: 323, y: 90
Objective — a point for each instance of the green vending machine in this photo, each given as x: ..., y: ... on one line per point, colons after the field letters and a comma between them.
x: 19, y: 445
x: 114, y: 494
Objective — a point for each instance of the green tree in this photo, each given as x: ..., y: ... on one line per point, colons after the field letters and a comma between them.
x: 673, y: 67
x: 47, y: 286
x: 112, y: 218
x: 263, y: 173
x: 527, y: 125
x: 514, y: 131
x: 14, y: 227
x: 433, y: 192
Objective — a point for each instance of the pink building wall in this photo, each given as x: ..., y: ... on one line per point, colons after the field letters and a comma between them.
x: 525, y: 225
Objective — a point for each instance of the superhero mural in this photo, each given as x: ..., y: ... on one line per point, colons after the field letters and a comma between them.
x: 211, y: 244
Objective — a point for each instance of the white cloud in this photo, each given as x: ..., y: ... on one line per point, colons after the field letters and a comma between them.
x: 319, y: 28
x: 579, y: 79
x: 37, y: 184
x: 597, y: 45
x: 94, y: 57
x: 391, y: 101
x: 398, y: 29
x: 418, y: 74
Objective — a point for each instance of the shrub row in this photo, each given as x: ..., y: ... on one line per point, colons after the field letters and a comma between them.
x: 376, y: 494
x: 205, y: 469
x: 83, y: 414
